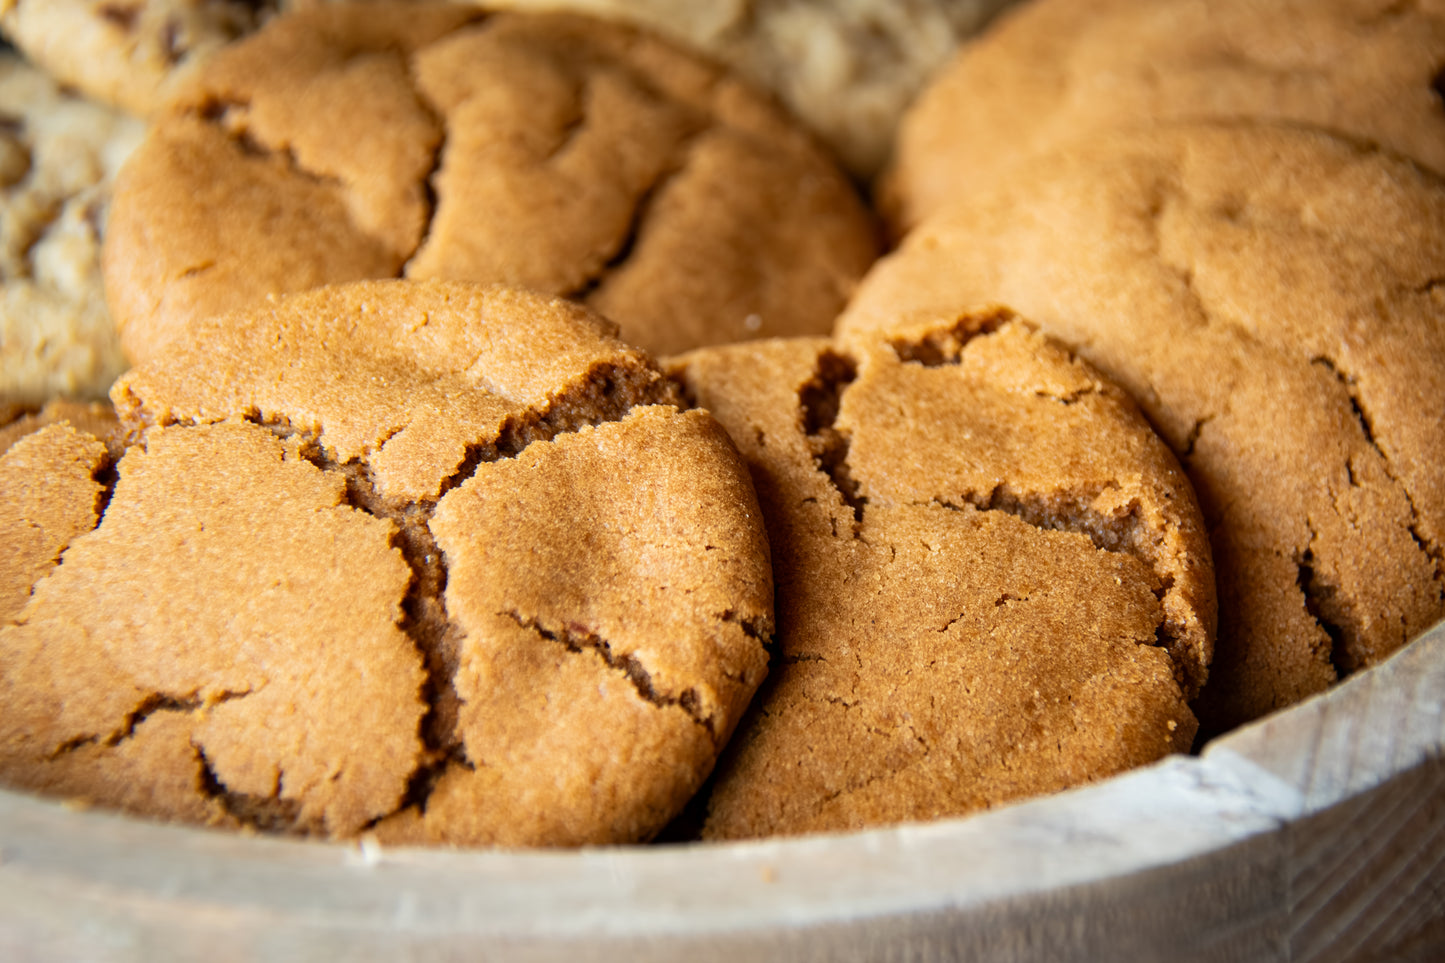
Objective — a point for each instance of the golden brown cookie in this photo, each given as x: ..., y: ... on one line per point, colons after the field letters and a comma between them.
x: 417, y: 556
x: 435, y: 141
x: 847, y: 68
x: 126, y: 53
x: 993, y: 579
x: 49, y: 494
x: 1055, y: 71
x: 1273, y: 299
x: 58, y: 156
x: 95, y: 418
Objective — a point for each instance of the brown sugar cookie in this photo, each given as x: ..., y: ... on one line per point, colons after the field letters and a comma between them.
x: 429, y: 140
x: 1055, y: 71
x: 422, y: 557
x: 58, y: 156
x: 48, y: 495
x: 847, y: 68
x: 992, y: 578
x: 1273, y: 300
x: 126, y: 53
x: 94, y: 418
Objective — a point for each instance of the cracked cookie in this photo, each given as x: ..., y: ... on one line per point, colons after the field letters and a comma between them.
x: 425, y: 558
x: 1274, y: 299
x: 95, y: 418
x: 992, y: 577
x: 58, y: 156
x: 1057, y: 71
x: 848, y: 68
x: 552, y: 152
x: 126, y: 53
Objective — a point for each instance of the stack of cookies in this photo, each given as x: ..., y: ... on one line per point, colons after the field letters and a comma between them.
x: 395, y: 526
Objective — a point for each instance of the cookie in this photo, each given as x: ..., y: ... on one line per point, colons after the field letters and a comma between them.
x: 422, y: 558
x: 1272, y: 298
x: 846, y: 69
x: 94, y: 418
x: 993, y: 580
x: 611, y: 168
x: 1055, y: 71
x: 58, y: 156
x: 126, y: 53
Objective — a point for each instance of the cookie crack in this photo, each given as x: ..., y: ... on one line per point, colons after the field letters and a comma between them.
x: 230, y: 116
x: 576, y: 637
x: 1123, y: 532
x: 1324, y: 604
x: 641, y: 213
x: 428, y: 182
x: 605, y: 394
x: 152, y: 704
x: 940, y: 347
x: 1350, y: 386
x: 1192, y: 439
x: 819, y: 402
x: 269, y: 814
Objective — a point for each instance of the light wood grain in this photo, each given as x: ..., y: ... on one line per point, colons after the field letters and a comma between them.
x: 1315, y: 835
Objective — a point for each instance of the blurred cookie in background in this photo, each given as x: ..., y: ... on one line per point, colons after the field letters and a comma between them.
x: 1055, y: 71
x: 127, y: 53
x: 58, y: 156
x: 847, y: 68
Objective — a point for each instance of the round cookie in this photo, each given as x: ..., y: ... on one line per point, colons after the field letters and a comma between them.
x: 848, y: 69
x: 552, y: 152
x: 992, y: 577
x: 1272, y: 298
x: 422, y: 558
x: 126, y: 53
x: 1055, y: 71
x: 58, y: 156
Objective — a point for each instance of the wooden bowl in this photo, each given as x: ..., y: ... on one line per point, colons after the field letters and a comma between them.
x: 1315, y: 834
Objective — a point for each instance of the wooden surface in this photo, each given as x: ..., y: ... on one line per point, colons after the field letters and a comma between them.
x: 1315, y: 835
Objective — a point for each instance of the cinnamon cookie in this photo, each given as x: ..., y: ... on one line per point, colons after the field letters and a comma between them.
x: 419, y: 557
x: 126, y: 53
x: 993, y: 579
x: 1055, y: 71
x: 1272, y: 297
x: 434, y: 141
x: 58, y: 156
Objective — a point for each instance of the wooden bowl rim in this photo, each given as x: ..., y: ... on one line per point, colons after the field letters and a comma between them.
x: 65, y: 874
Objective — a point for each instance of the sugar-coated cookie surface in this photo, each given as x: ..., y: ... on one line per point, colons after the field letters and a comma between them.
x: 58, y: 156
x: 1272, y: 297
x: 993, y: 579
x: 1055, y: 71
x: 430, y: 140
x: 419, y: 557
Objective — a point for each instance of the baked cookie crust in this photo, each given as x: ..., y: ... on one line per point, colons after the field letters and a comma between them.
x: 427, y: 559
x: 1272, y: 298
x: 992, y: 578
